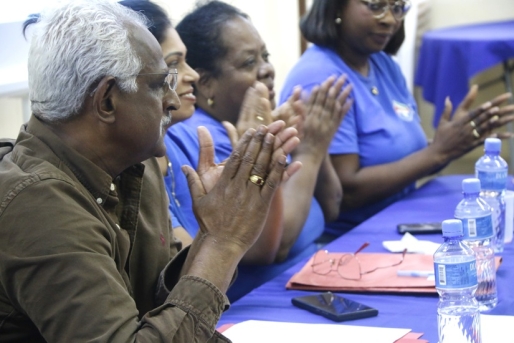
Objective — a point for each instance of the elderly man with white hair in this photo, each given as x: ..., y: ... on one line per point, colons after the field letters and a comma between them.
x: 86, y: 248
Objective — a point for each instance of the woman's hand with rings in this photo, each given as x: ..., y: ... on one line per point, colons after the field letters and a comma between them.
x: 292, y: 111
x: 490, y: 116
x: 255, y: 109
x: 474, y: 126
x: 327, y: 106
x: 468, y: 128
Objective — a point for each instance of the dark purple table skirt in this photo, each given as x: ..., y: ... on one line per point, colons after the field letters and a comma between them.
x: 435, y: 201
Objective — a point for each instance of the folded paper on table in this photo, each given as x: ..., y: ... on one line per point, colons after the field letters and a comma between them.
x: 381, y: 280
x: 412, y: 244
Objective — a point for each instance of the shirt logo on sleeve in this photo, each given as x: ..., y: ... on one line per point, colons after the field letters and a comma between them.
x: 403, y: 111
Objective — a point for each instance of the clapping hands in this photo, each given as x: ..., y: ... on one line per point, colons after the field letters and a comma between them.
x: 231, y: 200
x: 468, y: 128
x: 324, y: 111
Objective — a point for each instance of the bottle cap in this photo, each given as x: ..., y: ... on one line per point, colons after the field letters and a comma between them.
x: 492, y: 145
x: 452, y: 228
x: 471, y: 185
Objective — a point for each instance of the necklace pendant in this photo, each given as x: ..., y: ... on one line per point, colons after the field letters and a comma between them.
x: 374, y: 90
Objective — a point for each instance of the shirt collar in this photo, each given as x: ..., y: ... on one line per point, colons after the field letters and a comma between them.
x: 98, y: 182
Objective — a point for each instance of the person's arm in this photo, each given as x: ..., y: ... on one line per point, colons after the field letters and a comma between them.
x: 324, y: 112
x: 328, y: 190
x: 454, y: 137
x: 226, y: 235
x: 60, y: 274
x: 317, y: 123
x: 265, y: 249
x: 253, y: 111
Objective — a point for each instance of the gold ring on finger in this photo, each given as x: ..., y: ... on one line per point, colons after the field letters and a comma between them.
x: 259, y: 118
x: 256, y: 180
x: 494, y: 118
x: 475, y: 133
x: 472, y: 123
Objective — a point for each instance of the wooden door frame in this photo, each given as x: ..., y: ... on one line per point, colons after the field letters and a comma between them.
x: 302, y: 9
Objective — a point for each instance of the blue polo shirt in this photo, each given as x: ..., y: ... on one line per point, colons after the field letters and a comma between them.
x: 380, y: 128
x: 181, y: 204
x: 249, y: 277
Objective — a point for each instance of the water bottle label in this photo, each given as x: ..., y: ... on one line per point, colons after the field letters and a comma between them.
x: 477, y: 228
x: 495, y: 181
x: 456, y: 275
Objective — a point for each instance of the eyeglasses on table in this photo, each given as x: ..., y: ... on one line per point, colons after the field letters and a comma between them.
x: 347, y: 266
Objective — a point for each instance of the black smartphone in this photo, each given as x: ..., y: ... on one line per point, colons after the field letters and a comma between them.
x: 417, y: 228
x: 334, y: 307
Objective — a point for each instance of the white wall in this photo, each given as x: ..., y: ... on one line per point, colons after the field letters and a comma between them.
x: 277, y: 22
x: 461, y: 12
x: 10, y: 117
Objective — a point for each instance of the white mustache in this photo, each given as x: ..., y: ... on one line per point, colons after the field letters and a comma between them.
x: 166, y: 121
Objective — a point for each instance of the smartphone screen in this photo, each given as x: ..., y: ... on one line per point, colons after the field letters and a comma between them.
x: 419, y: 228
x: 334, y: 307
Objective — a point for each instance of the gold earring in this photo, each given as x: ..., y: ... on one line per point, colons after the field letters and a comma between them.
x: 210, y: 102
x: 338, y: 21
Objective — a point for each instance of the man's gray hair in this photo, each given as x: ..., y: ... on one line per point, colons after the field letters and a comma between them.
x: 73, y: 46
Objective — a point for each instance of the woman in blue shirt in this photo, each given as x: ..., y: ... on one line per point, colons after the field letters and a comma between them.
x: 230, y: 56
x: 380, y: 149
x: 174, y: 53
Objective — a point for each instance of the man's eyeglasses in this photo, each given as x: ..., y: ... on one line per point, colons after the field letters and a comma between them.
x: 347, y: 266
x: 171, y: 80
x: 379, y: 8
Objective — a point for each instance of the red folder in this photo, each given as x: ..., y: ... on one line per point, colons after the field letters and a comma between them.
x: 381, y: 280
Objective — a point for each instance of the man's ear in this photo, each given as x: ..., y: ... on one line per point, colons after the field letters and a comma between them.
x: 104, y: 100
x: 206, y: 84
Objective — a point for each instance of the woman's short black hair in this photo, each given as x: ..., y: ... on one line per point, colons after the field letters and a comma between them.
x: 32, y: 19
x: 319, y: 27
x: 200, y: 31
x: 396, y: 41
x: 159, y: 21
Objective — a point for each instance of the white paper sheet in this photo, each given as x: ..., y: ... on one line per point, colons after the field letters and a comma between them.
x: 412, y: 244
x: 255, y: 331
x: 496, y: 329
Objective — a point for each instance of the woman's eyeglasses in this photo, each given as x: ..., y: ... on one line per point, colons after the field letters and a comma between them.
x: 347, y: 266
x: 379, y: 8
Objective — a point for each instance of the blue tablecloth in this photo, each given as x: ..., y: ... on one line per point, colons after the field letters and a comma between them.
x: 435, y: 201
x: 450, y: 57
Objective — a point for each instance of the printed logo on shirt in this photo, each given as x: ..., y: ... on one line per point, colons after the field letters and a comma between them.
x: 403, y: 111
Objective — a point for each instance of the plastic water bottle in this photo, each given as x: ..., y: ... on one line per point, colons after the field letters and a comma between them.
x: 456, y: 282
x: 477, y: 227
x: 491, y: 170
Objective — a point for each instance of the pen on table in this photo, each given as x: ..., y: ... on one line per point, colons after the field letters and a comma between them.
x: 415, y: 273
